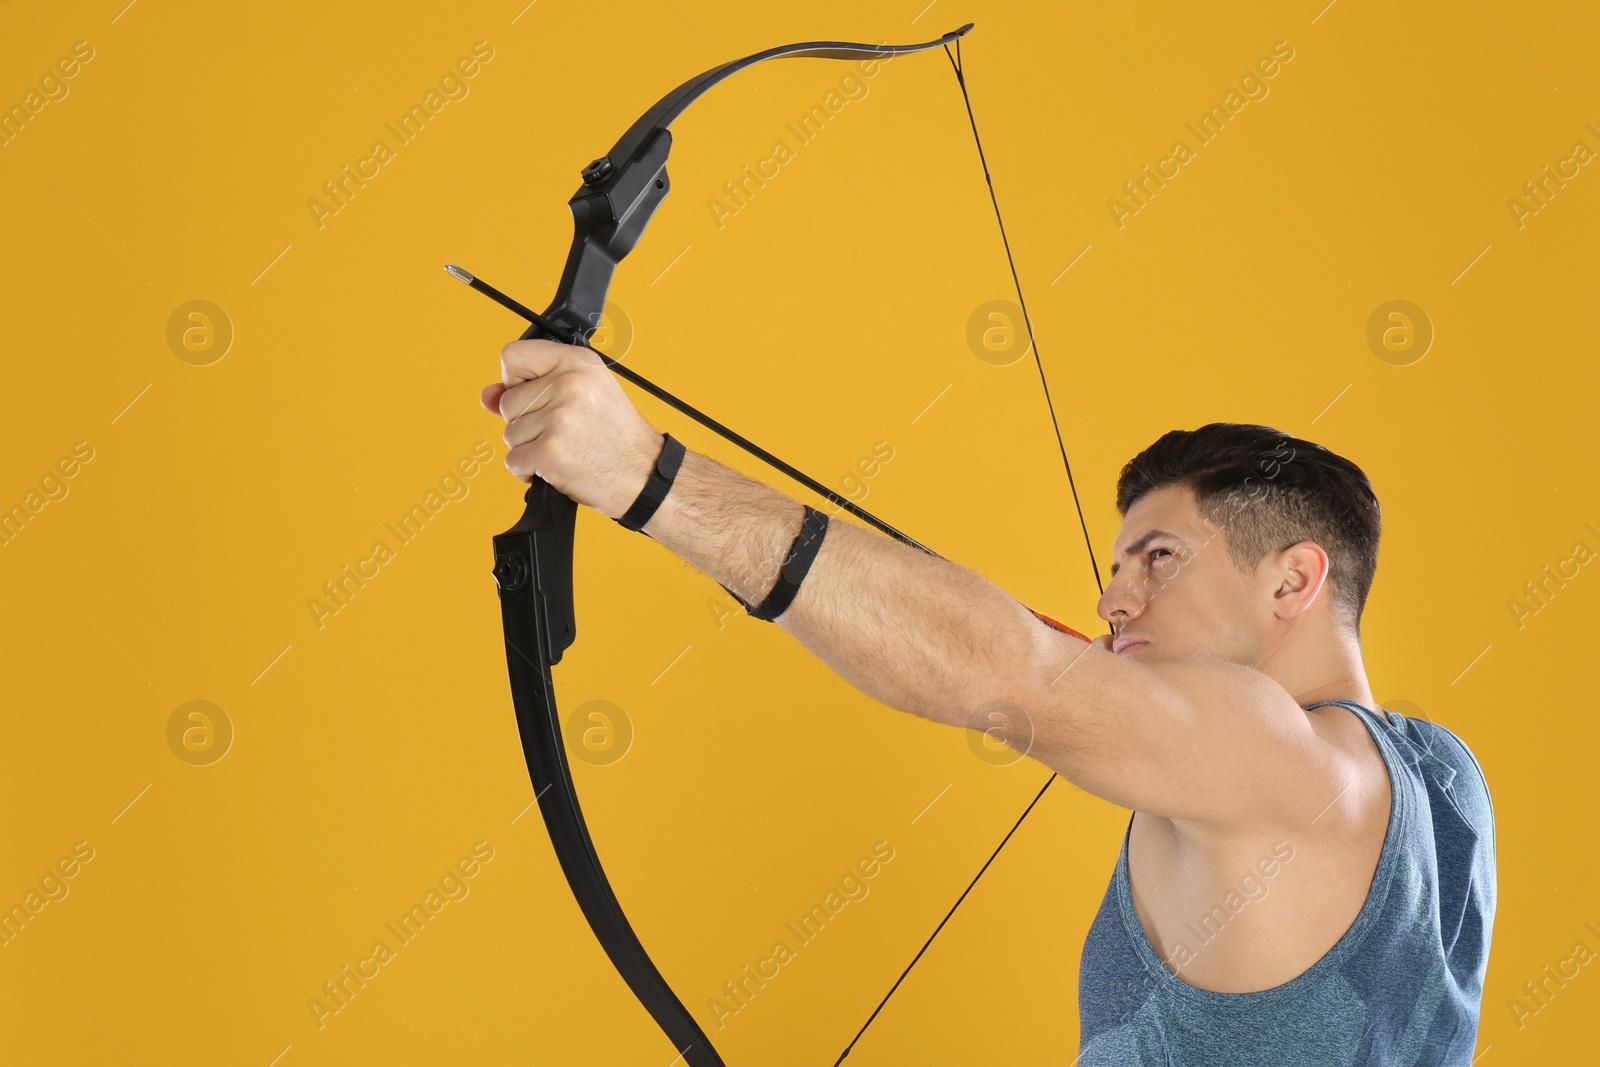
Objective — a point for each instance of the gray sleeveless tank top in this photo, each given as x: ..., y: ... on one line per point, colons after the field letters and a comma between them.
x: 1402, y: 986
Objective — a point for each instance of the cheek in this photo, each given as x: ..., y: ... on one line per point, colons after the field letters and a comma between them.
x: 1186, y: 587
x: 1168, y: 568
x: 1236, y: 623
x: 1204, y: 613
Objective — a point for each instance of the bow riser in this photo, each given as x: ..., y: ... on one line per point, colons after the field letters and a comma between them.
x: 609, y: 215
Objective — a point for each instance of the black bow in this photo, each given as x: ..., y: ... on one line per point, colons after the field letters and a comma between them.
x: 533, y: 560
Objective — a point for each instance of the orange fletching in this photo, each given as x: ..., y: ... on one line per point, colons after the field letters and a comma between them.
x: 1059, y: 626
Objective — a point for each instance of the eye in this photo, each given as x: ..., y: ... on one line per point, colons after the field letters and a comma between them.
x: 1163, y: 563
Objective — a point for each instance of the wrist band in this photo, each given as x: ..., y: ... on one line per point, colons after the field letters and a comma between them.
x: 807, y: 543
x: 656, y: 488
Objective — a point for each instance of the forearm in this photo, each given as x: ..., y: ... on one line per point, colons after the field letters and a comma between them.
x: 912, y: 631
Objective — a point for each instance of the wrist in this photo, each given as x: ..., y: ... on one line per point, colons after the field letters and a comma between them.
x: 644, y: 491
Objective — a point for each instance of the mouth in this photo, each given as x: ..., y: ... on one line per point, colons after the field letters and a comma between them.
x: 1123, y: 645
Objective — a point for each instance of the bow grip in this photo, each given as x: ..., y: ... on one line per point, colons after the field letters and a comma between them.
x: 533, y: 572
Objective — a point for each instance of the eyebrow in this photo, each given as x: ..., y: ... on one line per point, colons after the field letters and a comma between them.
x: 1144, y: 542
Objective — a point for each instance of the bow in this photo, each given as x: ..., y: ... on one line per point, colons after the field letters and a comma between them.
x: 533, y: 560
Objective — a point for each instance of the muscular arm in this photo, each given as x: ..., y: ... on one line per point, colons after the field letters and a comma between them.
x: 1196, y: 739
x: 914, y: 632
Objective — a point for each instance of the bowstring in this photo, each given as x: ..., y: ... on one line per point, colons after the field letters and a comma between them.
x: 1027, y: 321
x: 1083, y: 524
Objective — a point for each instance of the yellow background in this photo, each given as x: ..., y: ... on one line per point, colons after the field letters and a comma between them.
x: 371, y: 753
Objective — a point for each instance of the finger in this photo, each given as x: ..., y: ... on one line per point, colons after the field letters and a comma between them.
x: 523, y: 462
x: 523, y: 361
x: 490, y: 397
x: 527, y: 397
x: 526, y: 429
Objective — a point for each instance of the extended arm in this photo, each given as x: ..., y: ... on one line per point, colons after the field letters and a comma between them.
x: 1192, y: 738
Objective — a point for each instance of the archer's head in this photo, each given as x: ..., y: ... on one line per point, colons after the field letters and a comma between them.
x: 1236, y: 540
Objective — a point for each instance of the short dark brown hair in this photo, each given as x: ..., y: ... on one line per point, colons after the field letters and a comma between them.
x: 1268, y: 490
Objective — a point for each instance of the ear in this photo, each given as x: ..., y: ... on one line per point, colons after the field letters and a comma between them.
x: 1296, y: 576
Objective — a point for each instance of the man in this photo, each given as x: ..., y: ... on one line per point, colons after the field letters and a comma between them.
x: 1306, y: 878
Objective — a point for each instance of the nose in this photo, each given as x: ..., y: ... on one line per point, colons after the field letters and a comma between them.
x: 1120, y: 603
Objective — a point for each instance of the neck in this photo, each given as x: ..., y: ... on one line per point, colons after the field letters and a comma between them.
x: 1319, y: 666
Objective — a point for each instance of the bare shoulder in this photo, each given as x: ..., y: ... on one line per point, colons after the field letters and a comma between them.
x: 1199, y: 739
x: 1362, y: 800
x: 1341, y: 773
x: 1232, y: 691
